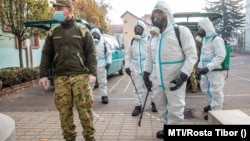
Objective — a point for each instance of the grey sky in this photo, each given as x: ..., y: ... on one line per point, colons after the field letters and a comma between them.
x: 141, y: 7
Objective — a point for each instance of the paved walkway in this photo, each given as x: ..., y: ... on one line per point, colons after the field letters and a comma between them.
x: 113, y: 122
x: 110, y: 126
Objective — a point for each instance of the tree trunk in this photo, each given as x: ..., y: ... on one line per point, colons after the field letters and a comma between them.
x: 20, y: 52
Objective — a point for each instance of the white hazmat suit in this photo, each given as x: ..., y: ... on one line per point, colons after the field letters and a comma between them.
x: 170, y: 61
x: 212, y: 55
x: 104, y: 57
x: 134, y: 59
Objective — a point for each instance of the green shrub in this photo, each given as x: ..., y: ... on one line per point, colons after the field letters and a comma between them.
x: 25, y: 74
x: 8, y: 77
x: 12, y: 76
x: 35, y: 73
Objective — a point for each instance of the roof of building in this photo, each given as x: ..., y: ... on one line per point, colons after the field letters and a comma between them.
x: 127, y: 12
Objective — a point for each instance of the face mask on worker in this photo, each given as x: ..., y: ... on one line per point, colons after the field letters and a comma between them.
x: 138, y: 30
x: 159, y: 19
x: 59, y: 16
x: 200, y: 34
x: 96, y: 37
x: 153, y: 34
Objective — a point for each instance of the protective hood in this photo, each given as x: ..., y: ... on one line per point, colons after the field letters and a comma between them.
x: 162, y: 5
x: 96, y: 30
x: 155, y: 29
x: 142, y: 24
x: 207, y: 25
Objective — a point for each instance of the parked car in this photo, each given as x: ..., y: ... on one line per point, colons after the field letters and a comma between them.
x: 118, y: 57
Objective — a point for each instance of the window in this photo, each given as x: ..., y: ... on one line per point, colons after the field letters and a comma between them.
x: 34, y: 42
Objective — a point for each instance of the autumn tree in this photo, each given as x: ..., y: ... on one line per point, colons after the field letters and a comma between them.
x: 232, y: 16
x: 93, y: 12
x: 15, y: 13
x: 103, y: 12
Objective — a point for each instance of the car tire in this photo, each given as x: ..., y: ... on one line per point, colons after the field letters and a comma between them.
x: 121, y: 71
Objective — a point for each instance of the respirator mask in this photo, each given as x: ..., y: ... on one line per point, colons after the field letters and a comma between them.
x: 200, y: 34
x: 96, y: 37
x: 138, y: 30
x: 159, y: 19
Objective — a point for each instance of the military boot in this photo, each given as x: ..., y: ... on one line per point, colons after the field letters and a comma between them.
x: 194, y: 90
x: 90, y: 139
x: 136, y: 111
x: 153, y: 107
x: 72, y: 136
x: 70, y: 139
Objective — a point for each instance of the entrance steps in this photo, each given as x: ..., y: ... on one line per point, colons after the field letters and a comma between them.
x: 228, y: 117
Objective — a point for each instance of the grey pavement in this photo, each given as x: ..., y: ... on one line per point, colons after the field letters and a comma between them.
x: 36, y: 117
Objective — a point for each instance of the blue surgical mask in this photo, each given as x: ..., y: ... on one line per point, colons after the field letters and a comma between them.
x: 59, y: 16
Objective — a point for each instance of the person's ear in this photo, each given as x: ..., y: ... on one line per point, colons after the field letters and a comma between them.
x: 71, y: 10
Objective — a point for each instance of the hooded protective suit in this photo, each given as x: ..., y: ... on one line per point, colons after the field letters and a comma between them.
x: 102, y: 60
x: 212, y: 55
x: 170, y: 61
x: 134, y: 59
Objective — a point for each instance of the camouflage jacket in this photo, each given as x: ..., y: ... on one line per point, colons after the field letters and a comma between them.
x: 70, y: 48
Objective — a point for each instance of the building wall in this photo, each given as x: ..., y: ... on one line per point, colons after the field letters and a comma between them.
x: 9, y: 53
x: 117, y: 32
x: 128, y: 27
x: 147, y: 18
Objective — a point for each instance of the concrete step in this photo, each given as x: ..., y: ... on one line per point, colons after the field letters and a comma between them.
x: 7, y: 128
x: 228, y: 117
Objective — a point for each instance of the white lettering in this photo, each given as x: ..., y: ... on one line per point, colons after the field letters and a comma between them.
x: 188, y: 132
x: 171, y: 132
x: 223, y: 132
x: 178, y: 131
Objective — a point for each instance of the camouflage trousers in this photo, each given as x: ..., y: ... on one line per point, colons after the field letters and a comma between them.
x: 194, y: 83
x: 69, y: 91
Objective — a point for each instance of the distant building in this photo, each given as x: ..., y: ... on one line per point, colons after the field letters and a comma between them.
x: 147, y: 18
x: 128, y: 26
x: 117, y: 32
x: 125, y: 32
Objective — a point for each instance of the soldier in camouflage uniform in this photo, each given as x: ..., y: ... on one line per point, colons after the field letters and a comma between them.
x: 70, y: 47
